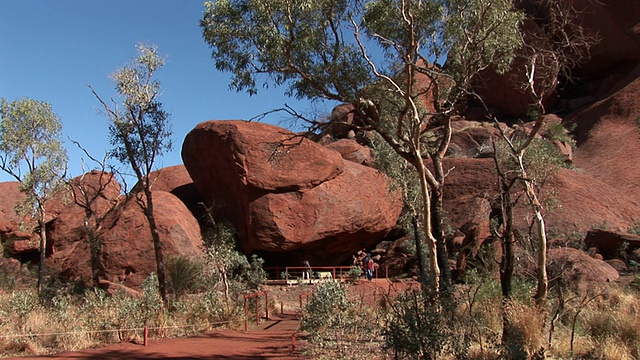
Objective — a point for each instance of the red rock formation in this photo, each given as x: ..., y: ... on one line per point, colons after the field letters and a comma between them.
x: 261, y: 156
x: 287, y: 197
x: 609, y: 139
x: 506, y: 93
x: 578, y: 269
x: 576, y: 202
x: 579, y: 202
x: 103, y: 192
x: 476, y: 230
x: 10, y: 197
x: 352, y: 151
x: 128, y: 256
x: 127, y: 249
x: 612, y: 244
x: 176, y: 180
x: 616, y: 24
x: 354, y: 210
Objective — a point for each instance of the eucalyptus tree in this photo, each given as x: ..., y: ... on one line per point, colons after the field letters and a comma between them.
x: 140, y: 132
x: 555, y: 44
x: 403, y: 65
x: 32, y: 152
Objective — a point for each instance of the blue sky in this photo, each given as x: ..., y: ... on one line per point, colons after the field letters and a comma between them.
x: 51, y: 50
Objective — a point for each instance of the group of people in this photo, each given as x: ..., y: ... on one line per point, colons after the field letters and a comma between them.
x: 365, y: 260
x: 362, y: 259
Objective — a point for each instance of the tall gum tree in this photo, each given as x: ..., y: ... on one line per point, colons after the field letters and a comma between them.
x: 140, y: 132
x: 31, y: 151
x: 403, y: 65
x: 554, y: 43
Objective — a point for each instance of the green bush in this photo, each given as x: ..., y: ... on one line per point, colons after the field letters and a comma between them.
x: 184, y: 275
x: 338, y: 327
x: 418, y: 328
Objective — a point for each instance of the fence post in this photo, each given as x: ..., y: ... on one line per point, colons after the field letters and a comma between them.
x: 246, y: 313
x: 266, y: 304
x: 293, y: 342
x: 146, y: 336
x: 257, y: 310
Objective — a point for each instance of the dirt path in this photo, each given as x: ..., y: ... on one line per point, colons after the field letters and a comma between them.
x: 271, y: 340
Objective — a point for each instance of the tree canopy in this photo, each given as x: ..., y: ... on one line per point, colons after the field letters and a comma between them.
x: 31, y: 151
x: 404, y: 66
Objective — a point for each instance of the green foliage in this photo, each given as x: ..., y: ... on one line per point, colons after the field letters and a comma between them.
x: 255, y: 275
x: 31, y: 149
x: 140, y: 132
x: 301, y: 42
x: 417, y: 328
x: 403, y: 176
x: 635, y: 228
x: 184, y: 275
x: 355, y: 274
x: 284, y: 40
x: 337, y: 325
x: 22, y: 303
x: 556, y: 131
x: 323, y: 311
x: 227, y: 265
x: 541, y: 160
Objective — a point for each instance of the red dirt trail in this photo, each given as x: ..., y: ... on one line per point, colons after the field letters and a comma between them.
x: 272, y: 339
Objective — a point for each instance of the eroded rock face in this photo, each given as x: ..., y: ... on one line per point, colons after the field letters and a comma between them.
x: 353, y: 210
x: 609, y: 140
x: 17, y: 240
x: 577, y: 269
x: 284, y: 198
x: 176, y: 180
x: 352, y: 151
x: 505, y: 92
x: 95, y: 191
x: 261, y: 156
x: 128, y: 255
x: 10, y: 197
x: 127, y: 248
x: 616, y: 24
x: 612, y: 244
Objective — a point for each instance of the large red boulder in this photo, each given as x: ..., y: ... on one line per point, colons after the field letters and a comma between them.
x: 575, y: 202
x: 176, y: 180
x: 97, y: 192
x: 10, y: 197
x: 612, y: 244
x: 506, y: 92
x: 352, y: 151
x: 128, y: 255
x: 15, y: 239
x: 249, y: 155
x: 579, y: 202
x: 577, y: 269
x: 284, y: 192
x: 353, y: 210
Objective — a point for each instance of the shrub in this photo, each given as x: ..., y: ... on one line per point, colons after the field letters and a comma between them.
x: 337, y: 325
x: 526, y: 330
x: 185, y: 275
x: 419, y: 328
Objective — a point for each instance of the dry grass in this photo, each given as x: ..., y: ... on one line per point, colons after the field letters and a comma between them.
x: 31, y: 327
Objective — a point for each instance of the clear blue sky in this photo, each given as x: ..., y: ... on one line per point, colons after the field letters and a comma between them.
x: 51, y: 50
